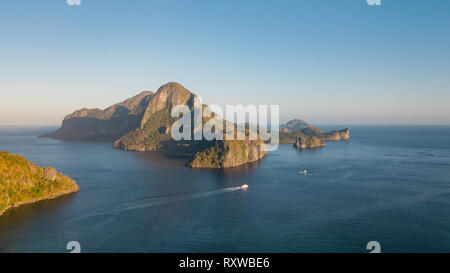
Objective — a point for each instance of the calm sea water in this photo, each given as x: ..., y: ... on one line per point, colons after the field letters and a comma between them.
x: 388, y: 184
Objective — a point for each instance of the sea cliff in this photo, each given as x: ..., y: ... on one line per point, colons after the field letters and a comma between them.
x: 226, y: 154
x: 308, y: 142
x: 336, y: 135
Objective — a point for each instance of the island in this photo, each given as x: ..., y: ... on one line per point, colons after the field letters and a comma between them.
x: 22, y: 182
x: 306, y: 136
x: 143, y: 123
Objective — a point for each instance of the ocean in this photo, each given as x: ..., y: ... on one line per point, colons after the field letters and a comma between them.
x: 389, y: 184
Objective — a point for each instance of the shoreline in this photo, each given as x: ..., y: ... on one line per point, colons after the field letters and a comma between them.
x: 37, y: 200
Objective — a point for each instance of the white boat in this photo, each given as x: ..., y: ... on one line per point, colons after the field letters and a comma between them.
x: 303, y: 172
x: 244, y: 187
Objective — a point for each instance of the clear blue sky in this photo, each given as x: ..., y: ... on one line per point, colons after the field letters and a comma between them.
x: 326, y: 62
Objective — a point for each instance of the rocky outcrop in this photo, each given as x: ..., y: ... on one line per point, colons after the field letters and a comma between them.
x: 308, y: 142
x: 336, y: 135
x: 166, y: 97
x: 49, y: 173
x: 22, y: 182
x: 104, y: 125
x: 153, y: 131
x: 226, y: 154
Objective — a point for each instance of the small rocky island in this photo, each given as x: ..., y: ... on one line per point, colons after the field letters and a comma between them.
x: 308, y: 142
x: 22, y: 182
x: 306, y: 136
x: 143, y: 123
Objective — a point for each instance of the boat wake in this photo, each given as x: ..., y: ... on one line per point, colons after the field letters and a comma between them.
x: 156, y: 201
x: 177, y: 199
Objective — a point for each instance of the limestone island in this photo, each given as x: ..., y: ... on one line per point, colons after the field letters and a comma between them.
x: 22, y: 182
x: 143, y: 123
x: 306, y: 136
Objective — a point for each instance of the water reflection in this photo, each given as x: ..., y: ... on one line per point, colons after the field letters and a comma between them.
x: 34, y: 209
x: 154, y: 158
x: 231, y: 171
x: 16, y: 219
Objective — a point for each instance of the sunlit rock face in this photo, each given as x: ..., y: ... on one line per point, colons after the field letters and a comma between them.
x: 308, y: 142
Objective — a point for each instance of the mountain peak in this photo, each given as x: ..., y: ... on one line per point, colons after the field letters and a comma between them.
x: 167, y: 96
x: 172, y: 85
x: 172, y: 89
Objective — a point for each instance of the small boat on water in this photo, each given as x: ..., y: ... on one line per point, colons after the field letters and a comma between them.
x: 244, y: 187
x: 303, y: 172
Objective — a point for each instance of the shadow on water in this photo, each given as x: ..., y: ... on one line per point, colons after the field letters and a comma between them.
x: 17, y: 215
x: 250, y: 167
x: 155, y: 158
x: 309, y: 151
x: 15, y: 220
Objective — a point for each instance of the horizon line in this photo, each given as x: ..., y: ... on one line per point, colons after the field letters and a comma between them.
x: 314, y: 124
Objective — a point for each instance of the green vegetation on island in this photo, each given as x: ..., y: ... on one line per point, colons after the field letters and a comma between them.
x: 151, y: 137
x: 294, y: 125
x: 155, y: 134
x: 229, y: 153
x: 22, y: 182
x: 292, y: 136
x: 305, y: 136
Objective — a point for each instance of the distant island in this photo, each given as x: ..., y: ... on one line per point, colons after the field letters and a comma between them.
x: 22, y: 182
x: 306, y: 136
x: 143, y: 123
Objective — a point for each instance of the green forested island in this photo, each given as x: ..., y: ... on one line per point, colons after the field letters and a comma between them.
x: 22, y: 182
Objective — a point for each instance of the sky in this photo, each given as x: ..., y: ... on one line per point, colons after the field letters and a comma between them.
x: 327, y: 62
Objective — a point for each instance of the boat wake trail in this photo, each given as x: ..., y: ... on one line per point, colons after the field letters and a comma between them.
x: 156, y: 201
x: 176, y: 199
